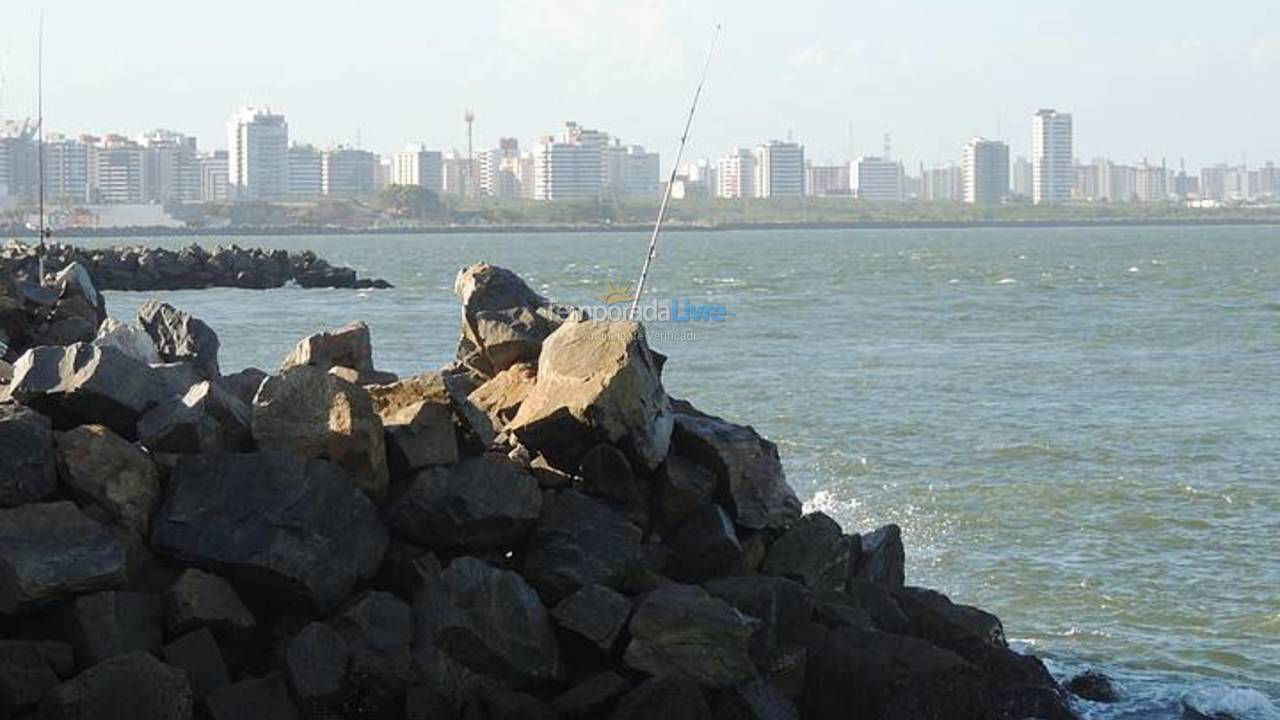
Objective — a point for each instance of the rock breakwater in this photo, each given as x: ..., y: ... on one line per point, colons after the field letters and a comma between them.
x: 535, y: 531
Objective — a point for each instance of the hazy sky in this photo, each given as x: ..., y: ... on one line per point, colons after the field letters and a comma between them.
x: 1143, y: 78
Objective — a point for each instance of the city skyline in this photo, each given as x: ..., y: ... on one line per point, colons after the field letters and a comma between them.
x: 824, y: 70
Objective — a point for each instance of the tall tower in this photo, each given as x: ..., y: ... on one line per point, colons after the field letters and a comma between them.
x: 469, y: 182
x: 1053, y: 175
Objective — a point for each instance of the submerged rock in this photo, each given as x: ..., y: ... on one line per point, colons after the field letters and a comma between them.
x: 1093, y: 685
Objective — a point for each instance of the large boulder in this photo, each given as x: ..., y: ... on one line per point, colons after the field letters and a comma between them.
x: 29, y: 669
x: 198, y: 655
x: 681, y: 628
x: 883, y: 558
x: 579, y: 541
x: 377, y: 628
x: 129, y: 340
x: 290, y: 529
x: 313, y: 414
x: 198, y: 599
x: 501, y: 396
x: 746, y: 467
x: 179, y: 337
x: 110, y: 623
x: 316, y: 662
x: 597, y: 382
x: 504, y: 322
x: 76, y: 313
x: 266, y: 697
x: 27, y: 471
x: 82, y: 384
x: 51, y: 550
x: 782, y: 606
x: 420, y: 435
x: 816, y: 553
x: 596, y: 614
x: 102, y: 469
x: 490, y: 621
x: 672, y: 696
x: 126, y: 686
x: 347, y: 347
x: 705, y: 547
x: 482, y: 503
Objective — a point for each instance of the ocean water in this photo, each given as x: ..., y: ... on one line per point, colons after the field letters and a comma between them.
x: 1077, y: 429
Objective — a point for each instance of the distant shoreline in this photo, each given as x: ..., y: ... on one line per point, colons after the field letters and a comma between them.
x: 251, y: 231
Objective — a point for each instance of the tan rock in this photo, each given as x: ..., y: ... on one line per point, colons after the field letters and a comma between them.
x: 103, y: 469
x: 500, y: 398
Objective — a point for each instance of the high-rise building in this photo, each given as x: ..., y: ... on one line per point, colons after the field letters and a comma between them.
x: 631, y: 171
x: 1054, y: 174
x: 171, y: 167
x: 18, y: 160
x: 306, y: 172
x: 116, y: 171
x: 1021, y: 180
x: 258, y: 155
x: 66, y: 170
x: 213, y: 177
x: 779, y: 169
x: 736, y: 174
x: 1151, y: 183
x: 879, y: 179
x: 825, y: 180
x: 986, y: 172
x: 415, y: 165
x: 572, y: 166
x: 942, y: 184
x: 348, y: 172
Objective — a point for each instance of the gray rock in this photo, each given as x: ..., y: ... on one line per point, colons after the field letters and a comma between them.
x: 234, y: 418
x: 27, y: 471
x: 669, y: 696
x: 378, y: 629
x: 179, y: 337
x: 110, y: 623
x: 130, y: 340
x: 595, y: 613
x: 295, y: 530
x: 579, y: 541
x: 490, y: 621
x: 747, y: 469
x: 126, y: 686
x: 174, y: 427
x: 244, y: 384
x: 1093, y: 686
x: 313, y: 414
x: 102, y: 469
x: 755, y: 700
x: 420, y: 436
x: 706, y: 546
x: 681, y: 488
x: 316, y: 662
x: 504, y: 322
x: 591, y: 697
x: 266, y: 697
x: 597, y: 383
x: 84, y: 385
x: 883, y: 558
x: 816, y: 553
x: 177, y: 377
x: 198, y: 599
x: 29, y: 669
x: 197, y: 654
x: 348, y: 347
x: 681, y: 628
x: 482, y: 503
x: 783, y: 607
x: 51, y: 550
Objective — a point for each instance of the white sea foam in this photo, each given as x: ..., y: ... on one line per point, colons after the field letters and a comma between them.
x: 1006, y: 281
x: 1235, y: 702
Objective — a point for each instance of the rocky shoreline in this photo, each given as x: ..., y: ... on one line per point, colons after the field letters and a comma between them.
x: 535, y: 531
x: 142, y: 268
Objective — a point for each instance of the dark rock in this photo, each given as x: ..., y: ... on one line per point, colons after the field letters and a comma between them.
x: 177, y: 428
x: 82, y: 385
x: 179, y: 337
x: 579, y: 541
x: 378, y: 630
x: 420, y: 436
x: 597, y: 383
x: 266, y: 697
x: 294, y: 530
x: 313, y: 414
x: 176, y: 378
x: 233, y: 417
x: 126, y: 686
x: 746, y: 466
x: 348, y: 347
x: 935, y: 618
x: 110, y: 623
x: 503, y: 704
x: 814, y: 552
x: 51, y: 550
x: 606, y: 474
x: 102, y: 469
x: 316, y: 662
x: 755, y: 700
x: 595, y: 613
x: 504, y: 322
x: 682, y: 628
x: 482, y: 503
x: 838, y: 610
x: 881, y: 605
x: 406, y: 568
x: 425, y: 702
x: 26, y: 457
x: 197, y: 654
x: 783, y: 607
x: 682, y: 487
x: 490, y: 621
x: 878, y: 676
x: 667, y: 696
x: 1093, y: 685
x: 29, y: 669
x: 705, y: 546
x: 198, y: 599
x: 883, y: 557
x: 591, y: 697
x: 244, y: 384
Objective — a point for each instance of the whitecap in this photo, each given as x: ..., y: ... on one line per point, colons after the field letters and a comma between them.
x: 1133, y: 269
x: 1006, y: 281
x: 1236, y: 702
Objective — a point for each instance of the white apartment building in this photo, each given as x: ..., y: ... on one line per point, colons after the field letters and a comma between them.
x: 1053, y: 169
x: 879, y: 179
x: 824, y: 180
x: 258, y: 155
x: 736, y: 174
x: 213, y: 177
x: 1021, y: 179
x: 942, y: 184
x: 631, y: 171
x: 116, y: 171
x: 779, y: 169
x: 572, y: 166
x: 66, y: 170
x: 986, y: 172
x: 415, y: 165
x: 306, y: 173
x: 172, y: 167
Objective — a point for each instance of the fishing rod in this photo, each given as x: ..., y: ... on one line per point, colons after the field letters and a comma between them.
x: 675, y: 168
x: 44, y: 232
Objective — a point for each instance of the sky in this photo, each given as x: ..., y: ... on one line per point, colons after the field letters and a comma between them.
x: 1169, y: 80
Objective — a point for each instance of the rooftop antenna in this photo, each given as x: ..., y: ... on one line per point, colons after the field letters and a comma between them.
x: 469, y: 117
x: 43, y: 229
x: 675, y: 167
